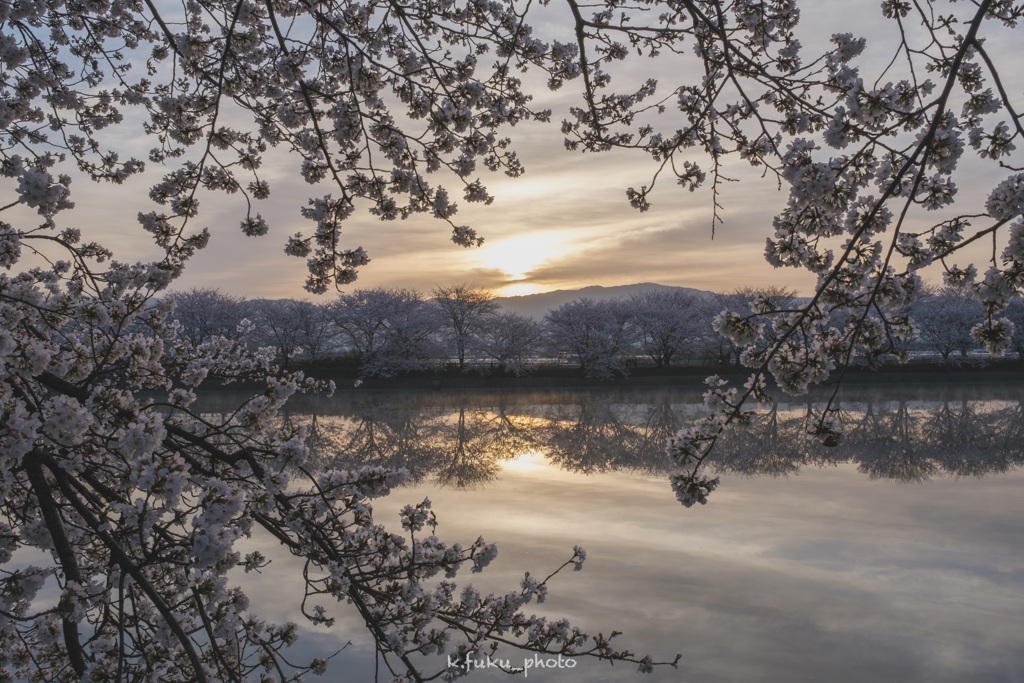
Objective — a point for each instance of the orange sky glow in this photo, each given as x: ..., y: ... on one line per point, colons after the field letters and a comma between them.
x: 565, y: 224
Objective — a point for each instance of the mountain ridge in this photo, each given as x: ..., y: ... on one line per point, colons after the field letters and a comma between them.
x: 537, y: 305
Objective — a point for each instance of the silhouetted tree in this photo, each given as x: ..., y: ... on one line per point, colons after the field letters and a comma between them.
x: 465, y: 311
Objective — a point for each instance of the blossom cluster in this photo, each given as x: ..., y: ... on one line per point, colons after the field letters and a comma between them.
x: 136, y: 499
x: 881, y: 163
x: 370, y: 101
x: 142, y: 501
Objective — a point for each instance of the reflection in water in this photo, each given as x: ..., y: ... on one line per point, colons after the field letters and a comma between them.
x: 825, y: 576
x: 905, y: 440
x: 461, y: 440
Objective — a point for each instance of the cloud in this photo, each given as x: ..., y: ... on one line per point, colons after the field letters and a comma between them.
x: 572, y: 205
x: 820, y: 577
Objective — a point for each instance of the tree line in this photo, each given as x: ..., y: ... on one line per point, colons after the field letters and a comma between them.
x: 387, y: 331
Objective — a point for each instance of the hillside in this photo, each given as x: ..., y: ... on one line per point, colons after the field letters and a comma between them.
x: 537, y: 305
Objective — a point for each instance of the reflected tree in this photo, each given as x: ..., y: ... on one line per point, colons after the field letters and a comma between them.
x: 1009, y: 431
x: 658, y: 422
x: 886, y: 445
x: 511, y: 434
x: 464, y: 444
x: 471, y: 443
x: 788, y: 432
x: 589, y: 437
x: 764, y: 444
x: 376, y: 434
x: 465, y: 450
x: 461, y: 447
x: 968, y: 439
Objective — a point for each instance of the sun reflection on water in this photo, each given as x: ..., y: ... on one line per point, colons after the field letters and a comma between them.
x: 530, y: 461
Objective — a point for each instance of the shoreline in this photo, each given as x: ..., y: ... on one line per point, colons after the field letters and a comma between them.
x: 997, y: 372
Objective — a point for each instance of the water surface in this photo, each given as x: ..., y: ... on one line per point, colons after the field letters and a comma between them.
x: 895, y: 556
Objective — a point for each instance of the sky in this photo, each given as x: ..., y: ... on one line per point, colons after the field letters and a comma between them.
x: 565, y: 224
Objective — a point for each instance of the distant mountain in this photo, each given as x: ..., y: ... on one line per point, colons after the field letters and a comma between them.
x: 537, y: 305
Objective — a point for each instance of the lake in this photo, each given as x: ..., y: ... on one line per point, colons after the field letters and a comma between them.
x: 896, y: 555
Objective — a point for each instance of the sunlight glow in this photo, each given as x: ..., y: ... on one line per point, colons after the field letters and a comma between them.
x: 531, y: 461
x: 516, y: 257
x: 521, y: 289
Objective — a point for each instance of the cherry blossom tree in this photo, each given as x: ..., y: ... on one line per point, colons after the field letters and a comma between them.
x: 205, y: 313
x: 293, y: 328
x: 667, y: 322
x: 510, y: 340
x: 594, y: 333
x: 466, y: 310
x: 740, y: 302
x: 133, y: 499
x: 945, y: 321
x: 136, y: 501
x: 390, y: 330
x: 275, y: 328
x: 1015, y: 314
x: 881, y: 159
x: 316, y: 333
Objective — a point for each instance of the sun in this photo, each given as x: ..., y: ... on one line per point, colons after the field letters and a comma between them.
x: 521, y: 289
x: 517, y: 257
